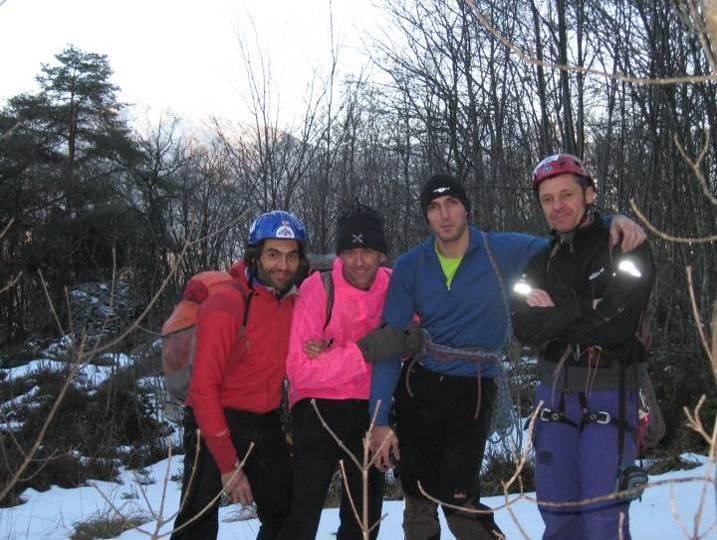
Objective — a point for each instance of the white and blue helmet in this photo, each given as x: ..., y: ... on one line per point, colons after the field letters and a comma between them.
x: 278, y: 225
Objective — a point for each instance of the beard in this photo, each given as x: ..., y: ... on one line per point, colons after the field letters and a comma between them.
x: 448, y: 237
x: 278, y: 280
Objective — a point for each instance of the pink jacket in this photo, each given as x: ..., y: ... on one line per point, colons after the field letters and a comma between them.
x: 340, y: 372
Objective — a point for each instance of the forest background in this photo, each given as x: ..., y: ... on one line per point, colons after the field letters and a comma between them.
x: 483, y: 89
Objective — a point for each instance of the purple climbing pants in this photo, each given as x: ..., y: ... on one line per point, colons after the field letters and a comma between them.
x: 574, y: 464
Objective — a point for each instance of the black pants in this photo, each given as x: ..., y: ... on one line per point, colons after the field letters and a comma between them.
x: 268, y: 470
x: 316, y: 455
x: 441, y: 441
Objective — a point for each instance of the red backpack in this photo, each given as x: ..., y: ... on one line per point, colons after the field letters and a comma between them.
x: 178, y: 331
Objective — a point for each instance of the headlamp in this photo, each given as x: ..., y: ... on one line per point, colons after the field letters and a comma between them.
x: 522, y: 288
x: 629, y: 267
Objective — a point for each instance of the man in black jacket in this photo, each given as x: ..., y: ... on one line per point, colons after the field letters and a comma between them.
x: 581, y: 302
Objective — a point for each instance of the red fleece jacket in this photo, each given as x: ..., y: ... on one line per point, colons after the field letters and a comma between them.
x: 244, y: 373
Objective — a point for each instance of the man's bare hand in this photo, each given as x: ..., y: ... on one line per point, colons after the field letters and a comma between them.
x: 314, y: 347
x: 236, y: 486
x: 631, y: 233
x: 384, y: 443
x: 539, y: 298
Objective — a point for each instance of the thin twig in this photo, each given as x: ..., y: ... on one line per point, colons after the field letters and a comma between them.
x: 108, y: 500
x: 465, y: 509
x: 195, y: 463
x: 165, y: 484
x: 518, y: 470
x: 12, y: 282
x: 676, y: 514
x: 7, y: 228
x: 696, y: 315
x: 665, y: 236
x: 333, y: 435
x: 696, y: 21
x: 50, y: 302
x: 216, y: 497
x: 143, y: 491
x: 714, y: 340
x: 148, y: 331
x: 695, y: 164
x: 697, y: 518
x: 347, y: 492
x: 366, y: 528
x: 530, y: 59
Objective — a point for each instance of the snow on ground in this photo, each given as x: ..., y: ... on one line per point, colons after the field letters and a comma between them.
x: 88, y: 376
x: 671, y: 503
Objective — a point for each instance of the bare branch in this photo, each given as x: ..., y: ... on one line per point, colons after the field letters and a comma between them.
x: 6, y: 228
x: 333, y: 435
x: 50, y: 302
x: 347, y: 492
x: 10, y: 284
x: 709, y: 9
x: 695, y: 165
x: 698, y: 319
x: 676, y: 239
x: 193, y: 473
x: 694, y: 422
x: 692, y: 16
x: 530, y: 59
x: 217, y: 497
x: 366, y: 528
x: 714, y: 334
x: 108, y: 501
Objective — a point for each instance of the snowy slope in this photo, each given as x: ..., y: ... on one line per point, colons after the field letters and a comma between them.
x: 669, y: 505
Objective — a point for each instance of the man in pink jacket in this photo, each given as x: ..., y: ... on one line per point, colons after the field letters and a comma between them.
x: 326, y: 364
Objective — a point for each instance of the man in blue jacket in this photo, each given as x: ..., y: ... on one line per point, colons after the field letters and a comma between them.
x: 454, y: 283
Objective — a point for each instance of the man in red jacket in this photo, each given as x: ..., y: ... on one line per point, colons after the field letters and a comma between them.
x: 242, y: 338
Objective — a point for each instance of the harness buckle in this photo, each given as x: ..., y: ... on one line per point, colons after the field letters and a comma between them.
x: 548, y: 415
x: 599, y: 417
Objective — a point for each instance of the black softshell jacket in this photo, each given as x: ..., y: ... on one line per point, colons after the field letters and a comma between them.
x: 576, y: 272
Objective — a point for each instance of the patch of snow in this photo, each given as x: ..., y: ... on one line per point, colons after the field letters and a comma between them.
x: 51, y: 514
x: 87, y: 376
x: 11, y: 426
x: 14, y: 403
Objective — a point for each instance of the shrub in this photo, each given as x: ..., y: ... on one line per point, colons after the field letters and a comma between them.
x: 499, y: 467
x: 105, y: 526
x: 92, y: 433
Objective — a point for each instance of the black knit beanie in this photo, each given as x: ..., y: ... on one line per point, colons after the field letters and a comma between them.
x: 441, y: 185
x: 360, y: 226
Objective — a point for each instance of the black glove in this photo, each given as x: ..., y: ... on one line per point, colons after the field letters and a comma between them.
x: 414, y: 340
x: 387, y: 342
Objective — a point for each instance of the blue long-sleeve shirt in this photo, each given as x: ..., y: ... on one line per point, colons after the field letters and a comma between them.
x: 471, y: 313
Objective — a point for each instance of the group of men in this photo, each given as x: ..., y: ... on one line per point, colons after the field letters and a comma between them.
x: 417, y: 349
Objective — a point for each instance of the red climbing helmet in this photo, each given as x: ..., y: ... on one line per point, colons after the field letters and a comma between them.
x: 560, y: 164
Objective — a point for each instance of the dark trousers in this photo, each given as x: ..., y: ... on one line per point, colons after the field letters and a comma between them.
x: 316, y: 455
x: 442, y: 445
x: 268, y: 470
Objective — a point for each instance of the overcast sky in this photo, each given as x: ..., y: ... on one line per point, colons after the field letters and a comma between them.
x: 183, y: 55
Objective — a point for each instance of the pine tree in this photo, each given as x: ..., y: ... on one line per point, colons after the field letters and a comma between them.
x: 60, y: 170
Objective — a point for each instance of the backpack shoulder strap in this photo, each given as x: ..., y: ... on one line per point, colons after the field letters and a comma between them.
x: 247, y: 296
x: 328, y: 282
